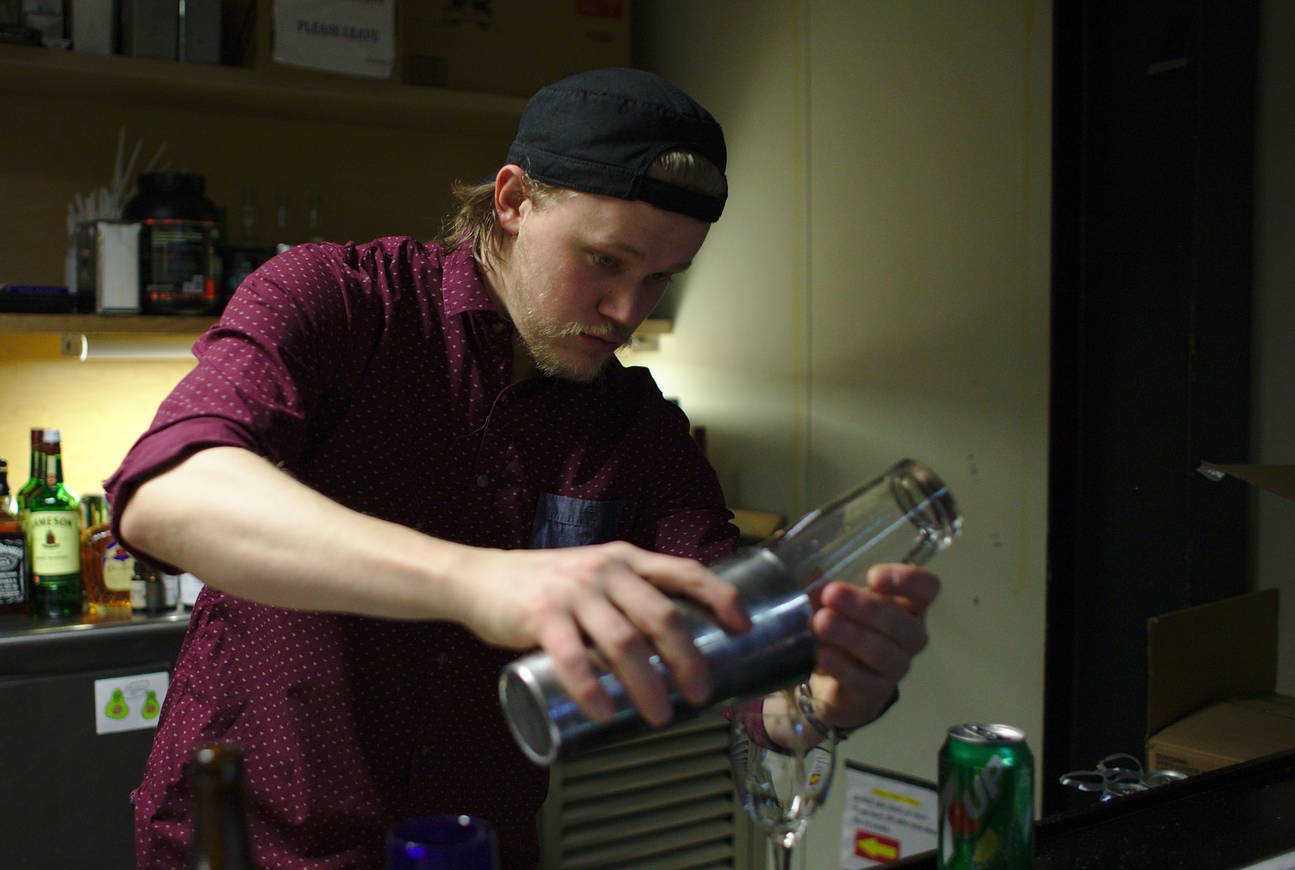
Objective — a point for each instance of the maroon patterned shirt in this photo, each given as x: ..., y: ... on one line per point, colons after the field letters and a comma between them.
x: 379, y: 375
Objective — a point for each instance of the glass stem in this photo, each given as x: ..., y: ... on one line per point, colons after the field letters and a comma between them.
x: 781, y: 854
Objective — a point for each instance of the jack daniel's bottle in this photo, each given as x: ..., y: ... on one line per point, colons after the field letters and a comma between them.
x: 13, y: 552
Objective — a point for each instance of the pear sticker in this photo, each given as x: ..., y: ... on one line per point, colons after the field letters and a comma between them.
x: 116, y: 708
x: 150, y: 705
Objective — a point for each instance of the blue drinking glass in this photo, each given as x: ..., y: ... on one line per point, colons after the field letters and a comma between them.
x: 442, y: 843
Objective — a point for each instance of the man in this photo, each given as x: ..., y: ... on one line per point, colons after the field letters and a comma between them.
x: 373, y: 444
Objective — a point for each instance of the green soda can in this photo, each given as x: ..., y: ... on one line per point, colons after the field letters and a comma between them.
x: 986, y: 799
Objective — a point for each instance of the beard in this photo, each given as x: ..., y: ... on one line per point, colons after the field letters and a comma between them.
x: 545, y: 341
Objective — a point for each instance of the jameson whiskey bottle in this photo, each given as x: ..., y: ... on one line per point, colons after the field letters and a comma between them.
x: 221, y: 840
x: 13, y: 551
x: 54, y: 538
x: 107, y: 569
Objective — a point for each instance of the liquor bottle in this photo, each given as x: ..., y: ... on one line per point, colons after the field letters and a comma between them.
x: 107, y: 568
x: 7, y: 500
x: 147, y: 591
x: 221, y: 838
x: 94, y: 512
x: 13, y: 551
x: 313, y: 220
x: 170, y: 591
x: 34, y: 479
x: 54, y: 538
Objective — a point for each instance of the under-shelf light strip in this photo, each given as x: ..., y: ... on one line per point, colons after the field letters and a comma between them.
x: 121, y: 346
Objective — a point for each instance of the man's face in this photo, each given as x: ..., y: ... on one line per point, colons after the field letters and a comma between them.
x: 584, y: 271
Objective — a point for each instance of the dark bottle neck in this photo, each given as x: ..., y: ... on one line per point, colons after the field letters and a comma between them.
x: 221, y: 840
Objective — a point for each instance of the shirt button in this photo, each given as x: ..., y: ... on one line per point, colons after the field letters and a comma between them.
x: 483, y: 480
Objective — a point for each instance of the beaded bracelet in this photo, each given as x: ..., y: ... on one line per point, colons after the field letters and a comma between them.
x: 805, y: 701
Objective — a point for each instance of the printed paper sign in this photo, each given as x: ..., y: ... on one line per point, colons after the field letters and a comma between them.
x: 887, y: 816
x: 346, y: 36
x: 128, y: 703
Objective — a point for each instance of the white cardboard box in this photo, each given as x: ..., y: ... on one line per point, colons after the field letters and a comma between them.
x: 108, y: 262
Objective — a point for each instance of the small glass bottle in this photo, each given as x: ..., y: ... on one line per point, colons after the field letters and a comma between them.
x: 54, y: 538
x: 147, y: 591
x: 281, y: 220
x: 249, y: 219
x: 106, y: 567
x: 13, y: 552
x: 221, y: 836
x: 170, y: 591
x: 313, y: 220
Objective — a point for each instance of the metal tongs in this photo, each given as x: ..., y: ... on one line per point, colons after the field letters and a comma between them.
x: 1117, y: 775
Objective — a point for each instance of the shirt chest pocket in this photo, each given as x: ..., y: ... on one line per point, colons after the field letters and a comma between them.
x: 564, y: 521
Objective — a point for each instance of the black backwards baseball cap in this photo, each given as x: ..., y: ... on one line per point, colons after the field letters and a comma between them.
x: 599, y: 131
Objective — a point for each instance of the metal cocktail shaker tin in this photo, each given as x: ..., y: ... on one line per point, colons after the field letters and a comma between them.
x: 906, y: 514
x: 777, y: 651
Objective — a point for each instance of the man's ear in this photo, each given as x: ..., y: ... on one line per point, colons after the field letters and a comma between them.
x: 510, y: 193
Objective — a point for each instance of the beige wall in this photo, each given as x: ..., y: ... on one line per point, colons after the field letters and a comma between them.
x: 100, y: 408
x: 879, y: 288
x: 1273, y: 417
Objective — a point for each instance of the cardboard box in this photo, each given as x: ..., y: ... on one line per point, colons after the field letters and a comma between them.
x: 1212, y: 669
x: 512, y: 47
x: 107, y: 266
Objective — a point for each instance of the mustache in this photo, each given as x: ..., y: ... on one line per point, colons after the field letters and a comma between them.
x: 605, y: 330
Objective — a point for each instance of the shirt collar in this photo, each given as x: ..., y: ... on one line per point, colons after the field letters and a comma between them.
x: 462, y: 289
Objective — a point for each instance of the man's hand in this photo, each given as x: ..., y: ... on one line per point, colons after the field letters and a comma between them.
x: 869, y: 636
x: 614, y: 597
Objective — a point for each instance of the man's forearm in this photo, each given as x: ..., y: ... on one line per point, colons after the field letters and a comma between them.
x: 246, y: 528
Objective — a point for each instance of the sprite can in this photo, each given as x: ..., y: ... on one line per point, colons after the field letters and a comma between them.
x: 986, y: 799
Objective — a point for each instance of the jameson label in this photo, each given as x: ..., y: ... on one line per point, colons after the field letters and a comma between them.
x: 12, y: 552
x: 55, y: 542
x: 118, y: 569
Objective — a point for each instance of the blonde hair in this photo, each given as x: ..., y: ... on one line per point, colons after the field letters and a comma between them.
x: 473, y: 222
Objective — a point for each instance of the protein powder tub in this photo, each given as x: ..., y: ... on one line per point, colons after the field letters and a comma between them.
x: 179, y: 260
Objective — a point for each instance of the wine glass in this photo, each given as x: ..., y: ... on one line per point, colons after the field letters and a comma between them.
x: 442, y: 843
x: 782, y: 765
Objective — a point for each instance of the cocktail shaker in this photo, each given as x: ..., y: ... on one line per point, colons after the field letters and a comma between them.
x: 905, y: 515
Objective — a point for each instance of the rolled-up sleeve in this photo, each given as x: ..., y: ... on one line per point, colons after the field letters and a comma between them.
x: 260, y: 373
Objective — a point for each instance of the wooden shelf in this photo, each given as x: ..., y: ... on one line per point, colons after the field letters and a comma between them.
x: 282, y: 93
x: 12, y: 324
